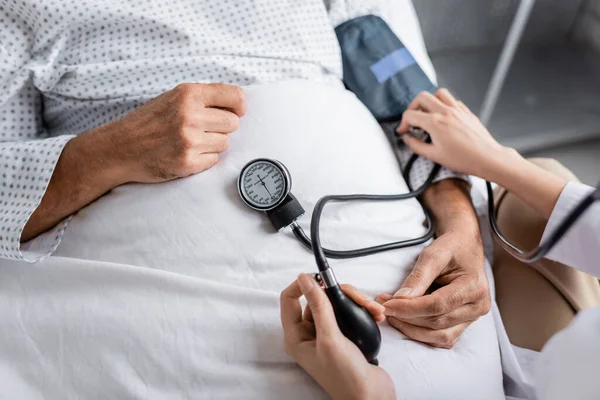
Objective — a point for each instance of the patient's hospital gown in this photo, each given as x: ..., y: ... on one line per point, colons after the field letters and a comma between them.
x: 68, y: 67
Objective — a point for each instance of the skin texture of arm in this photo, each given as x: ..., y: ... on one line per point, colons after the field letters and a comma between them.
x: 450, y: 203
x: 83, y: 173
x: 177, y: 134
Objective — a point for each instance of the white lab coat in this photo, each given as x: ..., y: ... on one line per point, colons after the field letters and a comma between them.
x: 569, y: 365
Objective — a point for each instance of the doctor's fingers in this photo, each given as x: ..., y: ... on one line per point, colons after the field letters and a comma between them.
x: 426, y: 102
x: 432, y: 123
x: 447, y: 98
x: 291, y: 315
x: 320, y: 307
x: 443, y: 338
x: 374, y: 308
x: 289, y: 302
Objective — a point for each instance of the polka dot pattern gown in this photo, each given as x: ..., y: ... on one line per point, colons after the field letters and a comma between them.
x: 67, y: 67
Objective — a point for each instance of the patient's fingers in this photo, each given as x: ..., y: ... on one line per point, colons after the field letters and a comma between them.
x: 442, y: 301
x: 224, y: 96
x: 382, y: 298
x: 444, y: 338
x: 466, y: 313
x: 212, y: 142
x: 216, y: 120
x: 430, y: 263
x: 201, y: 163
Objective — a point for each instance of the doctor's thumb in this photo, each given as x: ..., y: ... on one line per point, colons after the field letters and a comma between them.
x: 320, y: 307
x: 420, y: 278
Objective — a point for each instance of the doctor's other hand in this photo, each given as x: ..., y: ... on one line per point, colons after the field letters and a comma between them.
x: 460, y: 141
x: 177, y: 134
x: 455, y: 263
x: 314, y: 340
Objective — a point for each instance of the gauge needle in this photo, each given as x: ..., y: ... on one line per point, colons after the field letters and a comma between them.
x: 264, y: 185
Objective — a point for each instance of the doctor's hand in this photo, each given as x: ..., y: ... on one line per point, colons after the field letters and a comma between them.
x: 460, y: 141
x: 454, y: 262
x: 177, y: 134
x: 314, y: 340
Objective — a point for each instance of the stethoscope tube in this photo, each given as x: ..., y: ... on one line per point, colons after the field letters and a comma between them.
x: 542, y: 250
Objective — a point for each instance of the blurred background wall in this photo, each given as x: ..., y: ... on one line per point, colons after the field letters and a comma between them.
x: 550, y: 102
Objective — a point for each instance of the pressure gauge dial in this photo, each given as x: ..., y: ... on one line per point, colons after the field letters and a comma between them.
x: 264, y: 183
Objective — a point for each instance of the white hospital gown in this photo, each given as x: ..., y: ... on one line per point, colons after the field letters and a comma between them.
x: 68, y: 67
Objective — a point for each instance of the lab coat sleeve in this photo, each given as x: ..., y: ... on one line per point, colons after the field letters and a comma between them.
x: 580, y: 247
x: 569, y: 363
x: 27, y: 155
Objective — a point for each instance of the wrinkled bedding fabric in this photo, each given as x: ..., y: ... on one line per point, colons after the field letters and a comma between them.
x: 171, y: 290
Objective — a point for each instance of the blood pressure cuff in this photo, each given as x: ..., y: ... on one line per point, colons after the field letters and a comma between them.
x: 378, y: 69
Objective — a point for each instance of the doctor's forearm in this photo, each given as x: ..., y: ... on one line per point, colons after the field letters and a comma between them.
x: 536, y: 187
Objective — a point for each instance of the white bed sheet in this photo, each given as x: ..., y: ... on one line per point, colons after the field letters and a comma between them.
x: 171, y: 290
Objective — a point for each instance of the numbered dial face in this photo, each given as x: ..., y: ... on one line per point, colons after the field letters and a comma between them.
x: 263, y: 184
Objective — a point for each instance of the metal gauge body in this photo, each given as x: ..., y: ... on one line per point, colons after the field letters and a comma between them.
x: 264, y: 183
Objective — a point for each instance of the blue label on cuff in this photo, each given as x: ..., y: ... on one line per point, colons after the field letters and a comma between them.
x: 391, y: 64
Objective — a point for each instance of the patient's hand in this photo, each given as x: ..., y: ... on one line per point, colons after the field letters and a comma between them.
x: 179, y: 133
x: 455, y: 260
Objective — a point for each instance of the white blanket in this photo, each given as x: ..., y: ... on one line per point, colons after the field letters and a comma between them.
x: 171, y: 290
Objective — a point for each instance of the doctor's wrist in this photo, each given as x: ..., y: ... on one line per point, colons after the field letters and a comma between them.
x: 500, y: 166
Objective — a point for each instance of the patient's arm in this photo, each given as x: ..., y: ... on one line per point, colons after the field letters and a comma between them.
x: 179, y: 133
x: 455, y: 260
